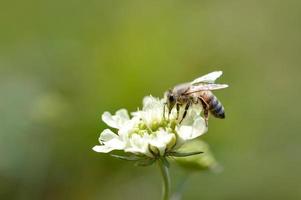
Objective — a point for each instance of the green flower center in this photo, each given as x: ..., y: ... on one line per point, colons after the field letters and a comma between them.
x: 165, y: 124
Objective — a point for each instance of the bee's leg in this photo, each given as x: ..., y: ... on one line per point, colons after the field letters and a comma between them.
x: 169, y: 111
x: 206, y: 116
x: 178, y: 110
x: 206, y: 110
x: 185, y: 112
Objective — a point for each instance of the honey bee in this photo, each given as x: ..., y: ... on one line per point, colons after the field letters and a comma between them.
x: 197, y: 92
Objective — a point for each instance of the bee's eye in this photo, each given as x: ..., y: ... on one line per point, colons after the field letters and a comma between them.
x: 171, y: 98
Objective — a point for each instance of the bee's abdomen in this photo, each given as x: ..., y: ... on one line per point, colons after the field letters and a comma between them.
x: 216, y: 108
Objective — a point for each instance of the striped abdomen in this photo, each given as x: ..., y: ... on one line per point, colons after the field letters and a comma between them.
x: 216, y: 108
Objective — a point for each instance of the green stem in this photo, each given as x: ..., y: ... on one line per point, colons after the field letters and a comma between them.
x: 166, y: 178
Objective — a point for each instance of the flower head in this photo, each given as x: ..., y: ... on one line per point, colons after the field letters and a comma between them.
x: 148, y: 133
x: 156, y: 133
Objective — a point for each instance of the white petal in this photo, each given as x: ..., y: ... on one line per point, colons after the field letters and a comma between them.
x: 150, y: 103
x: 123, y: 114
x: 107, y: 135
x: 102, y: 149
x: 138, y: 144
x: 115, y: 144
x: 162, y: 140
x: 107, y: 118
x: 193, y: 114
x: 110, y: 141
x: 152, y: 110
x: 189, y: 132
x: 129, y: 127
x: 117, y: 120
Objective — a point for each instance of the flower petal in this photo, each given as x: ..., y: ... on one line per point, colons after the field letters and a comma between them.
x: 152, y: 110
x: 109, y: 141
x: 117, y: 120
x: 150, y: 102
x: 162, y: 140
x: 102, y: 149
x: 107, y: 135
x: 139, y: 144
x: 196, y: 129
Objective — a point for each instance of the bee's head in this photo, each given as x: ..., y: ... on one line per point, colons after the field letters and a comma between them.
x: 170, y: 99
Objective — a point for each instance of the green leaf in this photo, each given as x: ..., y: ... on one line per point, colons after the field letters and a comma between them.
x: 139, y: 160
x: 145, y: 162
x: 127, y: 158
x: 183, y: 154
x: 197, y: 162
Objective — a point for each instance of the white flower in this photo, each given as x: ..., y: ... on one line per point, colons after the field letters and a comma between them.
x: 148, y: 132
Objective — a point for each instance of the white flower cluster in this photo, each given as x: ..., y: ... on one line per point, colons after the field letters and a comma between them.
x: 148, y: 132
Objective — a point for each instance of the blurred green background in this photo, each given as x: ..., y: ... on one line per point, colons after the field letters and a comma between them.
x: 63, y: 63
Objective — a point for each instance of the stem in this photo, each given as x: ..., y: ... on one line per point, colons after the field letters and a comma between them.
x: 166, y: 178
x: 180, y: 188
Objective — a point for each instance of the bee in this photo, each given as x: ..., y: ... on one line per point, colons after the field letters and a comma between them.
x: 197, y: 92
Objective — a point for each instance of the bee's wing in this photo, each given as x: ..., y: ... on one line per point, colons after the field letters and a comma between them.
x: 208, y: 78
x: 205, y: 87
